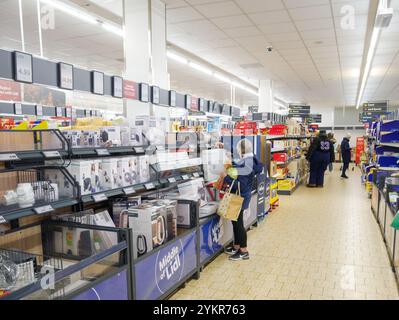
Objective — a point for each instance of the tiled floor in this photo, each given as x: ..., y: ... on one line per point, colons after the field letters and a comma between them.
x: 319, y: 244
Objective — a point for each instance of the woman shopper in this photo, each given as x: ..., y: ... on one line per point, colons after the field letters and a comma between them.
x: 242, y: 175
x: 346, y: 154
x: 320, y: 155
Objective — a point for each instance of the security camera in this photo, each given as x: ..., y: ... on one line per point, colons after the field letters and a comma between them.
x: 269, y: 49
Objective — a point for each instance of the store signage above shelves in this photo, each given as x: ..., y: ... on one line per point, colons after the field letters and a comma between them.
x: 23, y: 67
x: 298, y: 111
x: 65, y: 74
x: 9, y: 157
x: 375, y: 107
x: 98, y: 82
x: 313, y: 118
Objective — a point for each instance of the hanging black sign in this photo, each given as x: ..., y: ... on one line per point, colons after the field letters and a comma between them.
x: 23, y: 67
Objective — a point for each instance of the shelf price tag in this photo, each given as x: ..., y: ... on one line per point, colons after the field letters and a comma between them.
x: 99, y: 197
x: 129, y: 190
x: 44, y: 209
x: 51, y: 154
x: 196, y: 175
x: 139, y: 150
x: 9, y: 157
x: 172, y: 180
x: 149, y: 186
x: 2, y: 220
x: 102, y: 152
x: 185, y: 177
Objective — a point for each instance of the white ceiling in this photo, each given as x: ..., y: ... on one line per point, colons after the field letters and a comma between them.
x: 314, y: 60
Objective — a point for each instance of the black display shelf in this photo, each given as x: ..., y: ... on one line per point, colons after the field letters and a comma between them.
x: 31, y: 211
x: 107, y: 152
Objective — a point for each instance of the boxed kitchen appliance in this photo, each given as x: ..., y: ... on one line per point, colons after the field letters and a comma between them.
x: 148, y: 225
x: 108, y: 172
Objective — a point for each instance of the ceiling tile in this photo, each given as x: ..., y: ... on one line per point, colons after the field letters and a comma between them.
x: 219, y: 9
x: 304, y: 3
x: 232, y: 22
x: 310, y: 13
x: 264, y: 18
x: 253, y: 6
x: 242, y: 32
x: 182, y: 14
x: 277, y: 28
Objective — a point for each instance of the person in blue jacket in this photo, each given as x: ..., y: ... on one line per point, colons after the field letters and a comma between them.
x: 242, y: 174
x: 346, y: 154
x: 320, y: 155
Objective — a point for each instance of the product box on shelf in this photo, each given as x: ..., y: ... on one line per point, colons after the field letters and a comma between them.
x: 85, y: 173
x: 278, y: 130
x: 136, y: 137
x: 110, y: 136
x: 286, y: 185
x: 134, y: 170
x: 280, y: 157
x: 124, y: 174
x: 120, y: 210
x: 170, y: 215
x: 144, y: 168
x: 148, y: 226
x: 108, y: 172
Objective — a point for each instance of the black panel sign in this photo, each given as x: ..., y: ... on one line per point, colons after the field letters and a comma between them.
x: 155, y: 95
x: 298, y: 111
x: 188, y: 101
x: 97, y: 82
x: 65, y: 76
x: 117, y: 87
x: 23, y: 67
x: 375, y: 107
x: 313, y: 118
x: 172, y: 98
x: 144, y: 95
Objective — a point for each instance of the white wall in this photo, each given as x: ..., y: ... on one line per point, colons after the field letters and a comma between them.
x: 327, y: 115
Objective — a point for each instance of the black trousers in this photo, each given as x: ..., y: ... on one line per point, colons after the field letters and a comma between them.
x: 240, y: 234
x: 344, y: 168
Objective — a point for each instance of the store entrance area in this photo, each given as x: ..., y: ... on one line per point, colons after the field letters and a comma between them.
x: 318, y: 244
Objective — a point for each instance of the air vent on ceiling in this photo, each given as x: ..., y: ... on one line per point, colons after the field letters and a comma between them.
x: 251, y: 66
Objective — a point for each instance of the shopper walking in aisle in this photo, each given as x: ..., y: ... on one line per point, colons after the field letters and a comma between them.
x: 242, y: 174
x: 346, y: 152
x: 320, y: 155
x: 332, y: 139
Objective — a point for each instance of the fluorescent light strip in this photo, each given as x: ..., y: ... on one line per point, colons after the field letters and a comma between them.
x: 200, y: 68
x: 280, y: 105
x: 114, y: 29
x: 71, y: 11
x: 222, y: 78
x: 176, y: 57
x: 370, y: 55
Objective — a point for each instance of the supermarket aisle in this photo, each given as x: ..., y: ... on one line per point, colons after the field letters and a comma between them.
x: 319, y: 244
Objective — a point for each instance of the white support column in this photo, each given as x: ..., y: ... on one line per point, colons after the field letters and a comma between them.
x: 266, y: 96
x: 145, y: 50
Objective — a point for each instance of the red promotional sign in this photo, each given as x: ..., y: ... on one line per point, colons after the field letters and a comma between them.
x: 194, y: 104
x: 10, y: 91
x: 359, y: 148
x: 129, y: 90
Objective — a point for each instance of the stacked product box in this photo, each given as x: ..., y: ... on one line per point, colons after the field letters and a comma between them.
x: 105, y: 174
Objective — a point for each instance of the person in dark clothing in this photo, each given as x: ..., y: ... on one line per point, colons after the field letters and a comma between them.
x: 320, y: 155
x: 241, y: 176
x: 346, y: 155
